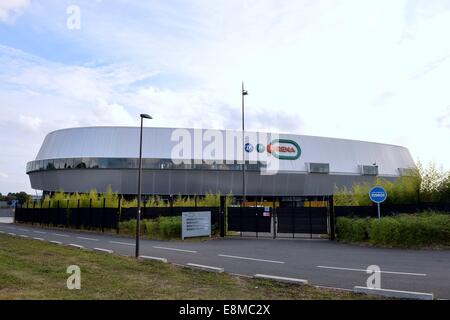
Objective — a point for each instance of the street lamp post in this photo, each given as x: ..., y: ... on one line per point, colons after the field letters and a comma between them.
x: 138, y: 215
x: 244, y: 193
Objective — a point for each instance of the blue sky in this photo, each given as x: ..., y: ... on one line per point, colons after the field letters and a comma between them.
x: 366, y: 70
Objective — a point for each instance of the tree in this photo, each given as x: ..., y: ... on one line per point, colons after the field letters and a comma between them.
x: 22, y: 197
x: 423, y: 184
x: 433, y: 180
x: 445, y: 189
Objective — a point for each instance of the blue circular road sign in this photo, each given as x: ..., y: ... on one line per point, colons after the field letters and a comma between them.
x: 378, y: 194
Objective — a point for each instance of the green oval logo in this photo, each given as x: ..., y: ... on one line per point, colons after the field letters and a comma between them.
x: 284, y: 149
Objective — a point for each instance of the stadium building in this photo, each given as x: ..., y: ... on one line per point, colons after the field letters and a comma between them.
x: 196, y: 162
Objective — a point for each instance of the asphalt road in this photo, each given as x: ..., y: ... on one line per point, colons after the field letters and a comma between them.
x: 321, y: 262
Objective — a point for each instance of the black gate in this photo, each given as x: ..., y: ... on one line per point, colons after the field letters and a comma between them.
x: 249, y: 220
x: 283, y: 222
x: 301, y: 221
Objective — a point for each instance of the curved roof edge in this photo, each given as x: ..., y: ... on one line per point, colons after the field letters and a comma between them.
x: 297, y: 134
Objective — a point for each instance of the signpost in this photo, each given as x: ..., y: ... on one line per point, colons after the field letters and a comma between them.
x: 378, y: 195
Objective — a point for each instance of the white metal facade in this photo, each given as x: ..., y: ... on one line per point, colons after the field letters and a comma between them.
x: 343, y: 156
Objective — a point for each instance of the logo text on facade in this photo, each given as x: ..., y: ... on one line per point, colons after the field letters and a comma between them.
x: 284, y: 149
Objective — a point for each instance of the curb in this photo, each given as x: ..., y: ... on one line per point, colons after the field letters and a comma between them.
x: 75, y: 246
x: 281, y: 279
x: 205, y: 268
x: 163, y: 260
x: 103, y: 250
x: 394, y: 293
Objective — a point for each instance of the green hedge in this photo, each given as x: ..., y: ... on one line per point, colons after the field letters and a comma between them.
x: 352, y: 229
x: 170, y: 227
x: 406, y: 230
x: 160, y: 228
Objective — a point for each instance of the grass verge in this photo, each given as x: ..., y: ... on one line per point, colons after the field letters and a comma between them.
x: 37, y: 270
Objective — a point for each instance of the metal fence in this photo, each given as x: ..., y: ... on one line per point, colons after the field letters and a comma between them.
x: 302, y: 220
x: 278, y: 222
x: 388, y: 209
x: 249, y: 219
x: 312, y: 222
x: 67, y: 216
x: 292, y: 221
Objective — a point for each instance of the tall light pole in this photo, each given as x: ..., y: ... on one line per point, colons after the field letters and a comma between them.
x: 138, y: 215
x: 244, y: 193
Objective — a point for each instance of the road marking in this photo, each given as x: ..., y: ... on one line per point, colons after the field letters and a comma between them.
x: 174, y: 249
x: 282, y: 279
x: 2, y: 232
x: 394, y: 293
x: 75, y: 246
x: 40, y: 239
x: 103, y: 250
x: 364, y: 270
x: 60, y: 235
x: 23, y: 229
x: 163, y: 260
x: 253, y: 259
x: 56, y: 242
x: 205, y: 268
x: 124, y: 243
x: 89, y: 239
x: 40, y: 232
x: 11, y: 234
x: 23, y: 236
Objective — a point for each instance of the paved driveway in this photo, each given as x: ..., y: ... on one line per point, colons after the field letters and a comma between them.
x: 6, y: 215
x: 321, y: 262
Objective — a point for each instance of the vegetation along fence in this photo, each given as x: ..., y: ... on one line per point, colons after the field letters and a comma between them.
x: 388, y: 209
x: 108, y: 215
x: 66, y: 214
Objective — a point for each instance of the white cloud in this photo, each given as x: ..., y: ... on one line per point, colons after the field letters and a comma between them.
x: 3, y: 175
x: 11, y: 8
x: 111, y: 114
x: 30, y: 123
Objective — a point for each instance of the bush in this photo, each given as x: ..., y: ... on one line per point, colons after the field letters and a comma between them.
x: 160, y: 228
x: 170, y: 227
x: 150, y: 227
x: 419, y: 230
x: 128, y: 227
x: 352, y: 229
x: 111, y: 200
x: 406, y: 230
x: 344, y: 228
x: 384, y: 232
